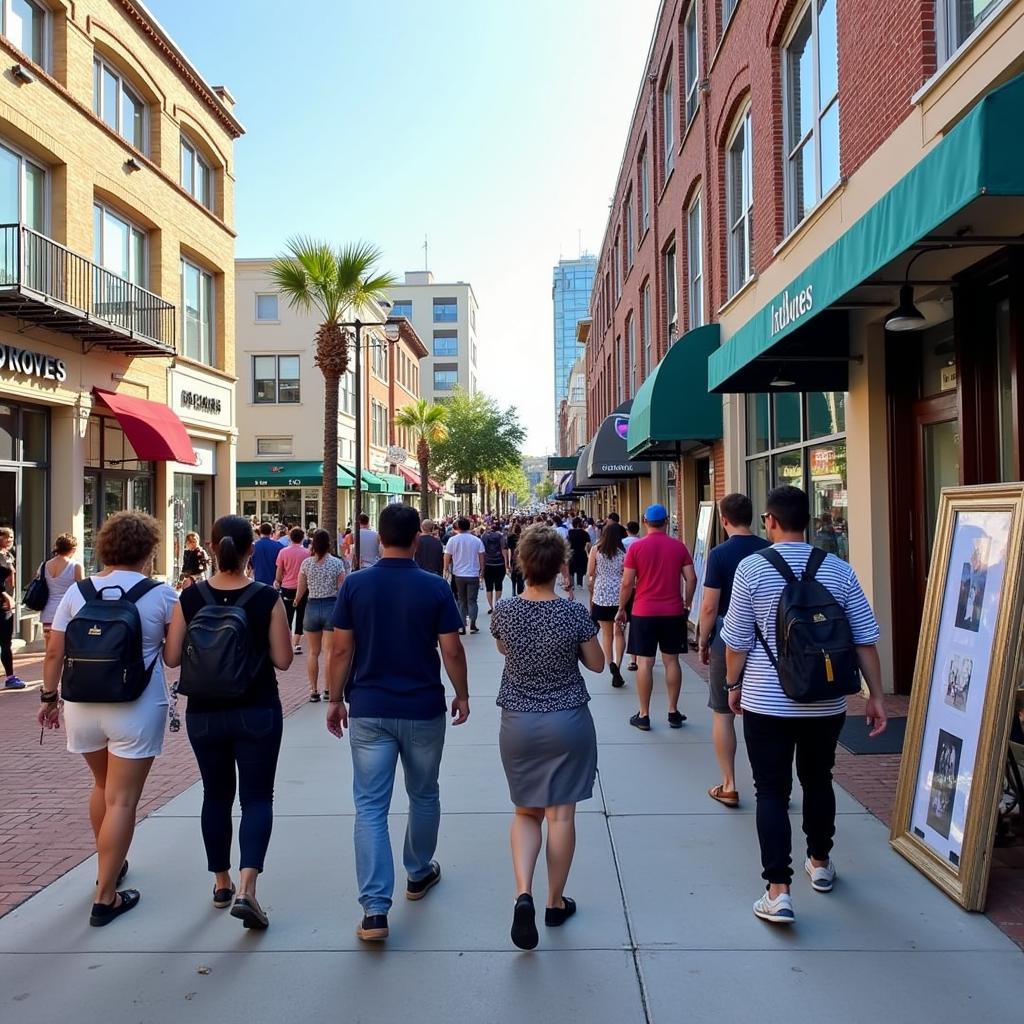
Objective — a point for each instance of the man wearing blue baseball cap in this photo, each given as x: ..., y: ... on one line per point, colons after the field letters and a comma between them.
x: 654, y: 566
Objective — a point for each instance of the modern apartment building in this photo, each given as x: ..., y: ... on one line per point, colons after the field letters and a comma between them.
x: 444, y: 316
x: 280, y: 409
x: 817, y: 219
x: 116, y: 280
x: 571, y: 282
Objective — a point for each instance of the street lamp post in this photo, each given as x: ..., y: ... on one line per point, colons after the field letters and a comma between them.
x: 392, y: 332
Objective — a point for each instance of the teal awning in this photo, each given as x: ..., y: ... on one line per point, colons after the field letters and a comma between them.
x: 980, y: 161
x: 371, y: 482
x: 393, y: 484
x: 672, y: 411
x: 287, y: 474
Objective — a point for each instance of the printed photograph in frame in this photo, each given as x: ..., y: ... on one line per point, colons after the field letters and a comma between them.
x: 701, y: 547
x: 968, y: 663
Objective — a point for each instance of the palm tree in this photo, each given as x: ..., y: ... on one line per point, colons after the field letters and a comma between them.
x: 314, y: 276
x: 425, y: 422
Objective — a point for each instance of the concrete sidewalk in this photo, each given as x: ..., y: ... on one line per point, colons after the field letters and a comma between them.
x: 663, y: 876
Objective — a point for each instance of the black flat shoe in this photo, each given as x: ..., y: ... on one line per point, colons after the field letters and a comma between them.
x: 633, y: 667
x: 641, y: 722
x: 524, y: 924
x: 676, y: 719
x: 222, y: 898
x: 249, y: 913
x: 103, y: 913
x: 314, y: 698
x: 617, y: 679
x: 555, y: 917
x: 474, y: 629
x: 373, y: 928
x: 417, y: 890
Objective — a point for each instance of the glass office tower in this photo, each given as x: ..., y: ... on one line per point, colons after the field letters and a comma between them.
x: 570, y: 293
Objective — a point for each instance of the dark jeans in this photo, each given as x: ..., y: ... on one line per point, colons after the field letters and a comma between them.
x: 518, y: 582
x: 6, y: 637
x: 294, y: 612
x: 467, y: 592
x: 771, y: 744
x: 249, y: 738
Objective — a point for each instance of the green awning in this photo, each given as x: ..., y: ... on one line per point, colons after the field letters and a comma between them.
x: 287, y: 474
x: 672, y: 411
x: 979, y: 162
x: 371, y: 482
x: 393, y: 484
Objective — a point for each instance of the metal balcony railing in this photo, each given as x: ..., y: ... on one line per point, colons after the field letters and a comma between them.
x: 45, y: 283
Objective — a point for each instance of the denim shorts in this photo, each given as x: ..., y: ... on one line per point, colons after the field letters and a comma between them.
x: 319, y: 612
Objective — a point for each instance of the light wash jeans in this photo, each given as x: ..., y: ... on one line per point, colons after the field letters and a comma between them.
x: 377, y: 744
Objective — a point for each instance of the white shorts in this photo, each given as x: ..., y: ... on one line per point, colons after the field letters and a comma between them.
x: 133, y: 730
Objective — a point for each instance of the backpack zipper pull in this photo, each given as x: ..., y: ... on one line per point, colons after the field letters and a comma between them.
x: 829, y: 674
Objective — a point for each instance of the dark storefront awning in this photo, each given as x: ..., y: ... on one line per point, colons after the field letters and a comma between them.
x: 673, y: 411
x: 963, y: 194
x: 287, y: 474
x: 561, y: 462
x: 154, y: 431
x: 606, y: 456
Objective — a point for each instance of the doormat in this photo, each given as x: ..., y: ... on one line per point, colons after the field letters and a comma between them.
x: 854, y: 736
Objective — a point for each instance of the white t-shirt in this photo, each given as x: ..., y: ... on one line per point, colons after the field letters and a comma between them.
x: 629, y: 539
x: 369, y: 547
x: 155, y: 610
x: 465, y: 549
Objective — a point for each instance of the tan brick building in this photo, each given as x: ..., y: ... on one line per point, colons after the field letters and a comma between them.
x: 116, y: 275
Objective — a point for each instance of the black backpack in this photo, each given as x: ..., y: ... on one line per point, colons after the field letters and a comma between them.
x: 218, y: 661
x: 817, y: 658
x: 37, y: 593
x: 103, y: 661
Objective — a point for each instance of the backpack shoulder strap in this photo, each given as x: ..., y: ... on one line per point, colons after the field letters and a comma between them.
x: 249, y: 593
x: 88, y: 589
x: 814, y: 563
x: 140, y: 589
x: 205, y: 592
x: 780, y: 565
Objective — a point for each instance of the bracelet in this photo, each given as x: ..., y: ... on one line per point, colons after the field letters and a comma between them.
x: 49, y: 696
x: 730, y: 688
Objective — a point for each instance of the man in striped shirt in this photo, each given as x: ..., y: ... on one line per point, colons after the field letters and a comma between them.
x: 776, y: 727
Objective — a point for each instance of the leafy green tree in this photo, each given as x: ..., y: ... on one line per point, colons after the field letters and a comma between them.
x: 316, y: 277
x: 426, y: 422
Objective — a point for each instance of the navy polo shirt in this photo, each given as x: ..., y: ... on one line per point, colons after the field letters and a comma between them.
x: 396, y: 612
x: 264, y: 560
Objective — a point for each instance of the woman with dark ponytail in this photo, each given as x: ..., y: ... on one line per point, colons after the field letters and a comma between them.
x: 240, y: 733
x: 320, y: 578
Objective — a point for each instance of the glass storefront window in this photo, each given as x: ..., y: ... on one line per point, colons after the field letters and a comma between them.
x: 34, y: 542
x: 33, y: 435
x: 757, y: 489
x: 828, y: 494
x: 938, y: 360
x: 757, y: 423
x: 786, y: 419
x: 8, y: 431
x: 789, y: 468
x: 826, y: 413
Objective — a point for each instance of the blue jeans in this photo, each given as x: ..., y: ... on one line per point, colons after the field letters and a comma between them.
x: 377, y: 744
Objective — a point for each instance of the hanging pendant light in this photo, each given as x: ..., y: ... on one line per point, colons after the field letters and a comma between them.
x: 906, y: 316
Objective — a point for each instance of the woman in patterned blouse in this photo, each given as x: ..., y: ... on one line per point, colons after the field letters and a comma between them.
x: 320, y: 576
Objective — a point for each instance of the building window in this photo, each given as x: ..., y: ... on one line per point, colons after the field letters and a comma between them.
x: 668, y: 122
x: 694, y: 265
x: 631, y: 348
x: 119, y: 247
x: 378, y: 424
x: 620, y: 375
x: 726, y: 9
x: 197, y: 313
x: 800, y: 439
x: 402, y: 307
x: 446, y: 343
x: 275, y: 380
x: 740, y: 201
x: 810, y: 69
x: 957, y: 20
x: 196, y: 174
x: 348, y: 393
x: 22, y: 198
x: 629, y: 219
x: 691, y: 61
x: 379, y: 358
x: 617, y: 266
x: 266, y: 307
x: 446, y: 311
x: 645, y: 191
x: 645, y: 326
x: 23, y: 22
x: 446, y: 379
x: 472, y: 352
x: 118, y: 104
x: 273, y: 446
x: 671, y: 292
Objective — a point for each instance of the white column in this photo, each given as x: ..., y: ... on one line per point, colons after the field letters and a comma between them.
x: 67, y: 463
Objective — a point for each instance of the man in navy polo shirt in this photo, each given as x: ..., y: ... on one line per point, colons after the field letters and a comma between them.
x: 264, y: 556
x: 389, y: 622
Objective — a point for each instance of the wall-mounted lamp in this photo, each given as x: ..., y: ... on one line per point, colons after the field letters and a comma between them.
x: 22, y: 74
x: 131, y: 164
x: 780, y: 380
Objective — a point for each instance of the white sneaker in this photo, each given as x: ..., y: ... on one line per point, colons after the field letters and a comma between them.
x: 823, y: 878
x: 777, y: 911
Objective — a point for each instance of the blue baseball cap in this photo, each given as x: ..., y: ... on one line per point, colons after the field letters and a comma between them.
x: 656, y: 514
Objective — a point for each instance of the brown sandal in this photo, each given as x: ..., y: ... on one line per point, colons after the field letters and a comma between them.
x: 728, y: 797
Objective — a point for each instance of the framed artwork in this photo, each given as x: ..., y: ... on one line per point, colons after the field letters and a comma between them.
x: 963, y: 698
x: 701, y: 547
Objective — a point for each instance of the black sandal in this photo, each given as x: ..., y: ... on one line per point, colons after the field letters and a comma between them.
x: 524, y: 925
x: 314, y: 697
x: 249, y: 913
x: 555, y: 917
x: 104, y: 913
x: 120, y: 874
x: 222, y: 897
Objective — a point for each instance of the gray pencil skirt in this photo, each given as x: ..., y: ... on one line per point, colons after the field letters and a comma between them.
x: 550, y: 757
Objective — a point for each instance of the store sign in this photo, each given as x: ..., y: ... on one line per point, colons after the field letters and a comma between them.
x: 201, y: 403
x: 32, y: 364
x: 199, y: 399
x: 397, y: 455
x: 947, y: 378
x: 787, y: 309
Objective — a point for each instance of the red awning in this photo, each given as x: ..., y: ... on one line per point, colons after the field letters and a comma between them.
x: 154, y: 430
x: 413, y: 479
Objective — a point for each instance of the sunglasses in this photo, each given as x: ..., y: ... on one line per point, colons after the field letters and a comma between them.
x: 764, y: 517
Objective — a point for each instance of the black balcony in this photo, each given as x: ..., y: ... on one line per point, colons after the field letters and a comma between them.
x: 43, y: 282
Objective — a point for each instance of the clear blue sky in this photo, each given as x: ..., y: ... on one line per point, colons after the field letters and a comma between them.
x: 494, y: 128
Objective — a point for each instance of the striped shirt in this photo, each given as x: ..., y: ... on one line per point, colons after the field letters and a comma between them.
x: 756, y: 590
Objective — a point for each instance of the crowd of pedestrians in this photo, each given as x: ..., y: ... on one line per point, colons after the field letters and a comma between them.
x: 245, y: 604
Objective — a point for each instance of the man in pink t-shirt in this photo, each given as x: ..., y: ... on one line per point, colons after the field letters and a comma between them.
x: 654, y: 566
x: 287, y: 581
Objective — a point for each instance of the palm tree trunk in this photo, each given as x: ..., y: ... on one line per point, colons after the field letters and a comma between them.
x: 424, y: 489
x: 329, y: 498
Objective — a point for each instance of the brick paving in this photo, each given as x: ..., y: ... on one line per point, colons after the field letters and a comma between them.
x: 44, y: 819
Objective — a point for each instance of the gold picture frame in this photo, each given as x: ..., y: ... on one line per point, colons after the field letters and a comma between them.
x: 965, y: 676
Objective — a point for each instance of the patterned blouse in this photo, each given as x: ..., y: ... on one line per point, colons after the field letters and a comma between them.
x: 608, y: 579
x: 322, y: 577
x: 542, y: 671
